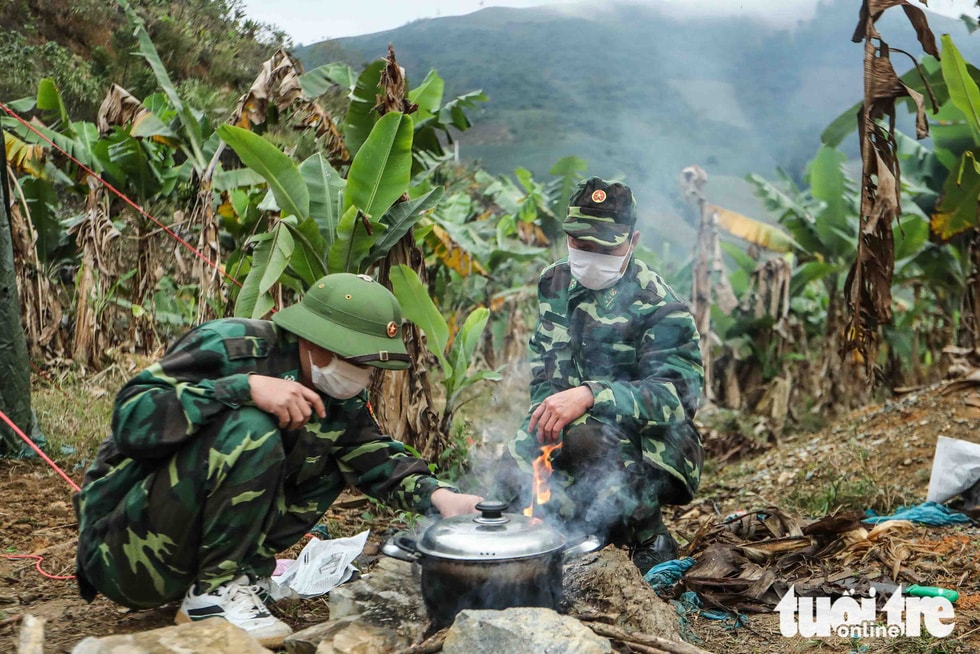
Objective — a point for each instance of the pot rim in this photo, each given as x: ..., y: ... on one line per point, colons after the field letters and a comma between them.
x: 461, y: 558
x: 491, y: 535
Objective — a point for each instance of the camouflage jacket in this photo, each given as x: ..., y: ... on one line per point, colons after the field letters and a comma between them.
x: 206, y: 373
x: 635, y: 345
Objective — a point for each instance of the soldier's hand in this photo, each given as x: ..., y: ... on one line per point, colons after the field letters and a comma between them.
x: 289, y: 401
x: 557, y: 410
x: 449, y: 503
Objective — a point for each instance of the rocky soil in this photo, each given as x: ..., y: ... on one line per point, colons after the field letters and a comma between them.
x: 878, y: 458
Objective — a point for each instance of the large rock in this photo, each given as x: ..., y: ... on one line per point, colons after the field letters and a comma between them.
x: 608, y: 585
x: 521, y: 631
x: 350, y: 635
x: 359, y: 637
x: 378, y: 613
x: 391, y: 594
x: 214, y: 636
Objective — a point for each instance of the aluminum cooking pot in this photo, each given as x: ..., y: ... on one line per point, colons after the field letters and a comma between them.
x: 490, y: 560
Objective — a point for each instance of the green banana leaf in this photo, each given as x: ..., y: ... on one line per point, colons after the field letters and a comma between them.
x: 227, y: 180
x: 401, y: 218
x: 428, y: 96
x: 319, y: 80
x: 418, y: 307
x: 53, y: 107
x: 273, y: 250
x: 188, y: 121
x: 279, y: 171
x: 911, y: 233
x: 382, y: 168
x: 361, y: 116
x: 308, y: 257
x: 461, y: 355
x: 452, y: 112
x: 352, y: 243
x: 963, y: 91
x: 951, y: 137
x: 829, y: 185
x: 959, y: 209
x: 80, y: 147
x: 569, y: 169
x: 326, y: 188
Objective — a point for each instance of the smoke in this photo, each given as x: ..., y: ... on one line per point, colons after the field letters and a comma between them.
x: 494, y: 419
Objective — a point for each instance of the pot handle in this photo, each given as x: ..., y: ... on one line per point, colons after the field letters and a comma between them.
x: 582, y: 545
x: 402, y: 547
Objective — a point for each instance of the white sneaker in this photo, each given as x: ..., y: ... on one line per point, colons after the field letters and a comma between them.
x: 236, y: 602
x: 263, y: 589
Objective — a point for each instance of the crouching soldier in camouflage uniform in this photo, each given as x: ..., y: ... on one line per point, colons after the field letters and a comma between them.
x: 232, y: 446
x: 617, y: 377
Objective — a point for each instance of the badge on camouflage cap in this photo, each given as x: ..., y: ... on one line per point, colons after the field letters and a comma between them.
x: 601, y: 212
x: 352, y: 316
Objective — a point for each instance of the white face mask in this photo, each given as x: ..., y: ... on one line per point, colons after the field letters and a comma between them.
x: 339, y: 378
x: 595, y: 270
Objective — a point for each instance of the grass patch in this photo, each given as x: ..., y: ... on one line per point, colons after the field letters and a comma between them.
x: 74, y: 419
x: 848, y: 478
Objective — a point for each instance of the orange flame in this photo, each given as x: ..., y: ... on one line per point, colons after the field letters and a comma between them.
x: 542, y: 472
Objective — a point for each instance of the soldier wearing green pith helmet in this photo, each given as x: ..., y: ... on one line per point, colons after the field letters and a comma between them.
x: 233, y: 445
x: 616, y: 379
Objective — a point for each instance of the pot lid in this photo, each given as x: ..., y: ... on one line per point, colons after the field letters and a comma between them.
x: 490, y: 536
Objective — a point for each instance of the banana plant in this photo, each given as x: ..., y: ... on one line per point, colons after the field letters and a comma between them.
x: 955, y: 131
x: 358, y: 218
x: 314, y: 233
x: 275, y: 249
x: 433, y: 119
x: 822, y: 221
x: 455, y: 356
x: 190, y: 123
x: 959, y: 209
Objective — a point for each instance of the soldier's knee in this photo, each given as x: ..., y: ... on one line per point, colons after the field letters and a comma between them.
x: 252, y: 434
x: 590, y: 441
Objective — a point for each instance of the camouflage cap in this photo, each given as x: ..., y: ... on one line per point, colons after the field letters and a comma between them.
x: 353, y: 316
x: 601, y: 212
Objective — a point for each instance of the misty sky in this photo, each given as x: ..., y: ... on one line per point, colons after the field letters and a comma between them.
x: 309, y: 21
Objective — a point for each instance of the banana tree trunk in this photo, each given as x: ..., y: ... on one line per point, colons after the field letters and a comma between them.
x: 210, y: 294
x: 404, y: 406
x: 710, y: 282
x: 96, y: 238
x: 970, y: 331
x: 15, y: 392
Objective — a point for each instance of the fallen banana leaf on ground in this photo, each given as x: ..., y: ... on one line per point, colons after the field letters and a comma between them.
x: 762, y: 551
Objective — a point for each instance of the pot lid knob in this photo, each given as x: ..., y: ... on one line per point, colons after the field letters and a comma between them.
x: 491, y: 512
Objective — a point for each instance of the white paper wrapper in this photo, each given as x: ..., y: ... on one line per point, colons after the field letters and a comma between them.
x: 955, y: 468
x: 321, y: 566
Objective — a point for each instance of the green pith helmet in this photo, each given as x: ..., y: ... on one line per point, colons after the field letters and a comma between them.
x: 354, y: 317
x: 601, y: 212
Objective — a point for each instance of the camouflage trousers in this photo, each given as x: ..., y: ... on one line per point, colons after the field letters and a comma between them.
x: 604, y: 481
x: 220, y: 507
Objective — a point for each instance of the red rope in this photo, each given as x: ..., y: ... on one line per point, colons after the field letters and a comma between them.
x: 121, y: 195
x: 41, y: 454
x: 37, y: 565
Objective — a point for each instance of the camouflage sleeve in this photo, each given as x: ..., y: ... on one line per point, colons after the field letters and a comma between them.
x: 671, y: 376
x: 168, y: 402
x: 543, y: 353
x: 383, y: 468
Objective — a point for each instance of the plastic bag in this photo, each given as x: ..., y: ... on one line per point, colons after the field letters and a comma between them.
x: 322, y: 566
x: 955, y: 468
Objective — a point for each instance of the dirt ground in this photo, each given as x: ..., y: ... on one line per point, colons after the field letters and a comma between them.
x: 877, y: 458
